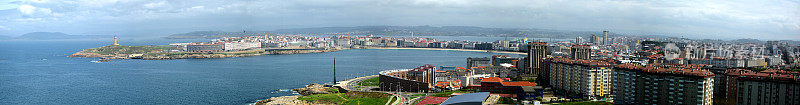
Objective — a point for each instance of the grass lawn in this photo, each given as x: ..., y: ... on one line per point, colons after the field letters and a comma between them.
x: 369, y: 82
x: 586, y: 103
x: 122, y: 49
x: 351, y: 98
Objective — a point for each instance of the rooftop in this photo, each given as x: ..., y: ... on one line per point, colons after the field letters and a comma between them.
x: 592, y: 63
x: 492, y: 79
x: 662, y: 69
x: 767, y: 75
x: 476, y: 98
x: 537, y: 43
x: 520, y: 83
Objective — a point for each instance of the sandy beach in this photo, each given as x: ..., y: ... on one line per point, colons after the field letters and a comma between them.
x: 506, y: 52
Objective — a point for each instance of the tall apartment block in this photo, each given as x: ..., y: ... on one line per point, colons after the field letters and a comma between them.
x: 767, y: 87
x: 536, y: 55
x: 657, y: 84
x: 578, y: 78
x: 580, y: 52
x: 476, y: 62
x: 606, y: 41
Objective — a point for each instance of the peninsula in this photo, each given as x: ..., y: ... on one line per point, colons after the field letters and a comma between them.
x: 166, y: 52
x: 290, y: 44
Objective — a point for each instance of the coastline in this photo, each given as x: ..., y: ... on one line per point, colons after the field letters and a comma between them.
x: 444, y: 49
x: 88, y: 53
x: 128, y: 52
x: 292, y: 99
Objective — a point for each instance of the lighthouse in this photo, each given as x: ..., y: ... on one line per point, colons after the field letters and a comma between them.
x: 115, y: 40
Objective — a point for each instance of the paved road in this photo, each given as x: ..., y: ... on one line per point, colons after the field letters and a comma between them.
x: 350, y: 85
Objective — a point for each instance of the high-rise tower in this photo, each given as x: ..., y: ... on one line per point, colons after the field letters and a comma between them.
x: 606, y: 41
x: 581, y: 52
x: 115, y: 40
x: 536, y: 54
x: 594, y: 39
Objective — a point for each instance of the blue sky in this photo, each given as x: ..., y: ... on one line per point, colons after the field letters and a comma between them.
x: 761, y: 19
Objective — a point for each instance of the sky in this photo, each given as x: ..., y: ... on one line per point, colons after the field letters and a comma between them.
x: 728, y: 19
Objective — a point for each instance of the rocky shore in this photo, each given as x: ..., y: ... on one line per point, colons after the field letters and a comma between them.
x: 283, y: 100
x: 311, y: 89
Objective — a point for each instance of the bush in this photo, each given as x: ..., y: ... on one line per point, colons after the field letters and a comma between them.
x: 506, y: 100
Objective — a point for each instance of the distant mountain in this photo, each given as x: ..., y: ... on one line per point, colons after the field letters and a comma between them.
x: 748, y: 41
x: 44, y: 35
x: 56, y: 35
x: 404, y: 31
x: 205, y: 34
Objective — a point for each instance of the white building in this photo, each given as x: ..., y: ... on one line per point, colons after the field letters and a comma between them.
x: 229, y: 46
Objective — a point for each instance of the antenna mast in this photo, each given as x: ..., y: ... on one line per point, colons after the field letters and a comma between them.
x: 334, y: 70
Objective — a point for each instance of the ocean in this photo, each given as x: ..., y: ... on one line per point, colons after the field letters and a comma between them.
x: 39, y: 72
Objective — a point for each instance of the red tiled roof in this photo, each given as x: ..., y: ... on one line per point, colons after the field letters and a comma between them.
x: 520, y: 83
x: 770, y: 75
x: 685, y: 70
x: 492, y: 79
x: 532, y: 43
x: 592, y: 63
x: 506, y: 95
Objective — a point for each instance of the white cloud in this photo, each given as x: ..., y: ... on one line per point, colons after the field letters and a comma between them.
x: 28, y: 10
x: 155, y: 5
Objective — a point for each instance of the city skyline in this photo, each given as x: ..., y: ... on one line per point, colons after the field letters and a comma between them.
x: 765, y: 20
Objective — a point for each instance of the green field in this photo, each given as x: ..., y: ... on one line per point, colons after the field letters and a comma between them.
x: 351, y: 98
x: 369, y: 82
x: 122, y: 49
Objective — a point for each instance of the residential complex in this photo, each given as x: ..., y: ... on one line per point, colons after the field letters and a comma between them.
x: 655, y: 84
x: 536, y: 56
x: 578, y: 78
x: 767, y: 87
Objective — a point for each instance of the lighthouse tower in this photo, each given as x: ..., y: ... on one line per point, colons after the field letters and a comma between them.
x: 115, y: 40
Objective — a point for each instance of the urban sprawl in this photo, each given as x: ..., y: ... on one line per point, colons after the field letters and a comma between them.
x: 619, y: 70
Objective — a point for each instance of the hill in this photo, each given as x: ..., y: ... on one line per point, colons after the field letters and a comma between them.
x: 57, y: 35
x: 403, y: 31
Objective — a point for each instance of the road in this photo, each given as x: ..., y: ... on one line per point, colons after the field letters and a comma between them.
x: 351, y: 84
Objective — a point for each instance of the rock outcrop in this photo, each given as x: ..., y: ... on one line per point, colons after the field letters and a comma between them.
x: 313, y: 89
x: 283, y: 100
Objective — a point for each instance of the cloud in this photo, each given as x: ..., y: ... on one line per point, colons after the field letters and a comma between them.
x: 710, y: 19
x: 30, y: 10
x: 155, y: 5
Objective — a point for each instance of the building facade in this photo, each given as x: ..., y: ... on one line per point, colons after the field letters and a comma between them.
x: 577, y: 78
x: 635, y: 84
x: 580, y: 52
x: 476, y: 62
x: 396, y: 80
x: 204, y: 47
x: 536, y: 56
x: 767, y: 87
x: 230, y: 46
